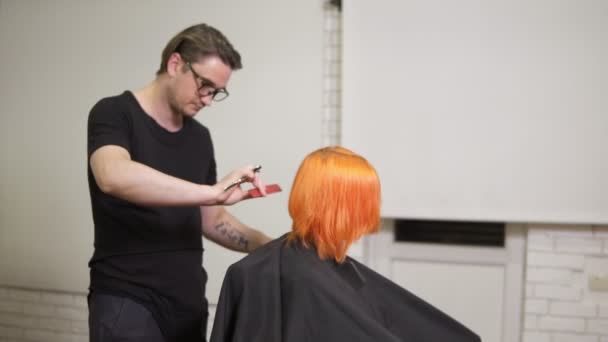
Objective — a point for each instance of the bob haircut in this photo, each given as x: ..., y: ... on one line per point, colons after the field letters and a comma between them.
x: 334, y: 200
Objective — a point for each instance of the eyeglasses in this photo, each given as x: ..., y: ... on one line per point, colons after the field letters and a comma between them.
x: 206, y: 87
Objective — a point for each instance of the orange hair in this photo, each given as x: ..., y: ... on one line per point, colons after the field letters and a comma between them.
x: 334, y: 200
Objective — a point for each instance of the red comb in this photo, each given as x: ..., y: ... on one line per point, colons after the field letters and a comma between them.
x: 270, y: 189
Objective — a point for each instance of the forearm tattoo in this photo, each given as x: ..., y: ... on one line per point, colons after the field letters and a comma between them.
x: 238, y: 239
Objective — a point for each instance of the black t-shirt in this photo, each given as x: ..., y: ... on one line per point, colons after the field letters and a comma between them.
x: 152, y: 255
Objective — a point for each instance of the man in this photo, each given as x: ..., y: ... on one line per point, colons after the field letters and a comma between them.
x: 153, y: 188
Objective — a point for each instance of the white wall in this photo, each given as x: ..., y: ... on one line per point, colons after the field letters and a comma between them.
x: 59, y: 57
x: 481, y: 110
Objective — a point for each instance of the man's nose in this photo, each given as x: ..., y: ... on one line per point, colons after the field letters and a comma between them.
x: 207, y: 99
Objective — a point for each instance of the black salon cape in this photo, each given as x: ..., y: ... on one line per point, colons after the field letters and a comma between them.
x: 284, y: 292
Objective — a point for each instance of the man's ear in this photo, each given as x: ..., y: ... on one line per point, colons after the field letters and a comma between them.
x: 173, y: 64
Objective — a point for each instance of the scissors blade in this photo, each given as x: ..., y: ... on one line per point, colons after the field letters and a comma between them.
x: 242, y: 180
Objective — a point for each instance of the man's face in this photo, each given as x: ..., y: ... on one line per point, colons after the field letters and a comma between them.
x: 196, y: 84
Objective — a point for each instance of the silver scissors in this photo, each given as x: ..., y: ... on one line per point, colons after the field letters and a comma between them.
x: 242, y: 180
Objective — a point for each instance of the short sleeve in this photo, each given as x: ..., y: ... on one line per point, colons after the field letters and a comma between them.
x: 212, y: 175
x: 108, y: 124
x: 212, y: 172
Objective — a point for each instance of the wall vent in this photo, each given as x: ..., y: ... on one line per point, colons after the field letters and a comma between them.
x: 489, y: 234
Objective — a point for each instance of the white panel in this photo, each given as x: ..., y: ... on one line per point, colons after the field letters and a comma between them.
x: 471, y: 294
x: 59, y: 57
x: 481, y: 110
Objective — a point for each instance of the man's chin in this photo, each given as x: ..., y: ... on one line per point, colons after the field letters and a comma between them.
x: 191, y: 113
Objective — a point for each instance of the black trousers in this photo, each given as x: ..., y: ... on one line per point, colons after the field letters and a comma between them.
x: 119, y: 319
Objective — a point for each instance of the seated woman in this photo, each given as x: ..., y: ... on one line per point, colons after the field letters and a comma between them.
x: 303, y: 287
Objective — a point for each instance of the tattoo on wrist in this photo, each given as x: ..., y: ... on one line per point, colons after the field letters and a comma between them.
x: 233, y: 235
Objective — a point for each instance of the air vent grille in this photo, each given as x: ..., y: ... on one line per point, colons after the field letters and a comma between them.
x: 451, y: 232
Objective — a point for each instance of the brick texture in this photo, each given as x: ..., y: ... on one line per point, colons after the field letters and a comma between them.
x: 559, y: 306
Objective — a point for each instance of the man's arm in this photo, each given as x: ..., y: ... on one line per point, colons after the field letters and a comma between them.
x: 224, y: 229
x: 117, y: 175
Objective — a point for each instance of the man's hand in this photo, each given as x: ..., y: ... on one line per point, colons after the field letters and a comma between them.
x: 235, y: 193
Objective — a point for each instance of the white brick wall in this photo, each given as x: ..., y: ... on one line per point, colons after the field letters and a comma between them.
x: 332, y: 76
x: 45, y: 316
x: 574, y: 338
x: 537, y: 306
x: 559, y: 307
x: 604, y: 311
x: 531, y: 336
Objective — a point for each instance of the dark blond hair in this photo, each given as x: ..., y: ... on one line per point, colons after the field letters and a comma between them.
x: 334, y: 200
x: 197, y: 42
